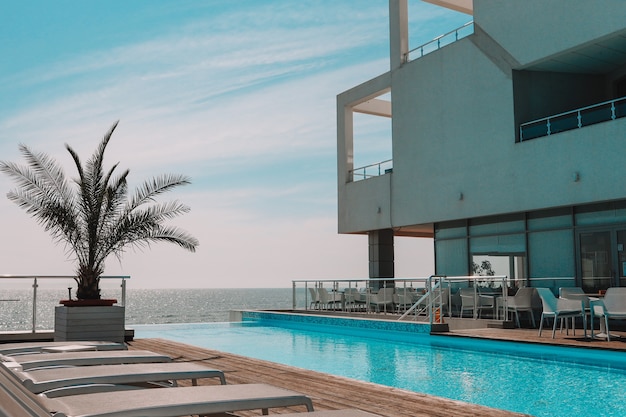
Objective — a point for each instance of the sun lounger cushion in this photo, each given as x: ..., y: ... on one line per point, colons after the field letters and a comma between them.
x: 41, y: 380
x: 112, y: 357
x: 34, y: 347
x: 166, y: 402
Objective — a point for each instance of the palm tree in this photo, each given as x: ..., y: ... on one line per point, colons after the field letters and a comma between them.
x: 93, y: 215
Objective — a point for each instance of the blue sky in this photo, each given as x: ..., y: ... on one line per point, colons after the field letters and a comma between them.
x: 239, y: 95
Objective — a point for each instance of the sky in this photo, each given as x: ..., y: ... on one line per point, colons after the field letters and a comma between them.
x: 238, y: 95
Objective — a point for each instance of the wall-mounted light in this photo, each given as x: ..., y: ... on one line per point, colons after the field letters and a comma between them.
x: 576, y: 176
x: 460, y: 196
x: 380, y: 210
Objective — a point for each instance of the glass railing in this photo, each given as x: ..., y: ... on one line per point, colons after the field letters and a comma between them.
x: 440, y: 41
x: 574, y: 119
x: 372, y: 170
x: 17, y: 305
x: 428, y: 298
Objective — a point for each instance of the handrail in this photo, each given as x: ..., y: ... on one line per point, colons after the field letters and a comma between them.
x: 422, y: 299
x: 35, y: 285
x: 579, y: 121
x: 382, y: 167
x: 437, y: 43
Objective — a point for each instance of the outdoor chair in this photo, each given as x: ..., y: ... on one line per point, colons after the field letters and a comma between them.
x: 612, y: 306
x: 382, y: 300
x: 354, y: 299
x: 403, y: 301
x: 315, y: 301
x: 560, y: 308
x: 471, y: 300
x: 522, y: 301
x: 328, y: 300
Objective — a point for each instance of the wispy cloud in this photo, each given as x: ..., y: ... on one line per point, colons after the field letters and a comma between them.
x: 239, y: 95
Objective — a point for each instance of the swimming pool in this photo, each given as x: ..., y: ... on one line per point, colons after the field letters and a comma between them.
x: 533, y: 379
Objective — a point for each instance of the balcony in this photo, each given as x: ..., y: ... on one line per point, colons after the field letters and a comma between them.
x: 574, y: 119
x: 372, y: 170
x: 439, y: 42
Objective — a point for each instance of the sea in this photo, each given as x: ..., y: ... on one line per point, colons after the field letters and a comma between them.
x: 146, y: 306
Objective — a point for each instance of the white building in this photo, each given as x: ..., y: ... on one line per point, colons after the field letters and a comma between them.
x: 508, y: 143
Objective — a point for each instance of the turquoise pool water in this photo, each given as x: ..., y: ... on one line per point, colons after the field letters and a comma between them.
x: 527, y: 378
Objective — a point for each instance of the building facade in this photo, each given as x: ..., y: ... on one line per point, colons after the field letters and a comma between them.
x: 508, y: 144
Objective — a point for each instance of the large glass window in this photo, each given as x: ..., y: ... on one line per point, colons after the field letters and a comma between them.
x: 451, y: 257
x: 551, y: 254
x: 596, y: 261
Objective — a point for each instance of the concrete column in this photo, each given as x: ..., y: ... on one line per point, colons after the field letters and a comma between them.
x: 381, y: 255
x: 398, y: 32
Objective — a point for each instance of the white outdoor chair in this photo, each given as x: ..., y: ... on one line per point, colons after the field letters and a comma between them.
x: 474, y: 302
x: 560, y: 308
x: 522, y: 301
x: 613, y: 306
x: 315, y: 301
x: 328, y: 300
x: 382, y: 300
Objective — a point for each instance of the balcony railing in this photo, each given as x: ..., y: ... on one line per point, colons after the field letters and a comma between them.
x: 372, y: 170
x: 35, y: 301
x: 440, y: 41
x: 574, y: 119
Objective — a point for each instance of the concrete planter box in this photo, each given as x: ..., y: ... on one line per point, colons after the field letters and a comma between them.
x: 89, y: 323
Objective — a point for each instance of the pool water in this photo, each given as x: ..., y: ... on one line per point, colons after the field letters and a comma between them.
x: 532, y: 379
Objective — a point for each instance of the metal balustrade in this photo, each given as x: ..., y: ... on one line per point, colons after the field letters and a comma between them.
x: 372, y: 170
x: 430, y: 306
x: 35, y: 285
x: 440, y: 41
x: 573, y: 119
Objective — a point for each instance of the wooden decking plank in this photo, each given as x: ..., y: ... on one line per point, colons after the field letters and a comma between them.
x: 327, y: 391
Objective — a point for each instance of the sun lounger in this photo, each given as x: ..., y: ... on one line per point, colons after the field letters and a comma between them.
x: 72, y: 379
x: 51, y: 347
x: 350, y: 412
x: 27, y: 362
x: 16, y: 401
x: 180, y: 401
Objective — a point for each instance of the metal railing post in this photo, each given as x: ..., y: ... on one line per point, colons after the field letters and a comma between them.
x: 123, y: 292
x: 293, y: 295
x: 34, y: 305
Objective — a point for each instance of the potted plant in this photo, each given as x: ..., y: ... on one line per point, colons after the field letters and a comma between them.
x: 93, y: 214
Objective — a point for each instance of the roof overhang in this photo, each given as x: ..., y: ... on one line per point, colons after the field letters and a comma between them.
x: 463, y: 6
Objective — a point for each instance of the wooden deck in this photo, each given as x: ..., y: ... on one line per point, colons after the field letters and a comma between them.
x: 328, y: 392
x: 561, y: 338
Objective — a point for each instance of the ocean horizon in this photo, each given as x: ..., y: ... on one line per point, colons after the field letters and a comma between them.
x: 147, y: 306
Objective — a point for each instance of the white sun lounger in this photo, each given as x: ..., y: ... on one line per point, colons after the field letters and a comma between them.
x: 35, y: 347
x: 180, y: 401
x: 73, y: 379
x: 27, y: 362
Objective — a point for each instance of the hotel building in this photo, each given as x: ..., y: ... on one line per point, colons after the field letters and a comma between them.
x: 508, y: 143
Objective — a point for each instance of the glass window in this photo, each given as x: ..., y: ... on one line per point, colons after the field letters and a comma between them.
x: 551, y: 254
x: 451, y: 257
x: 497, y: 225
x: 498, y: 244
x: 550, y: 219
x: 451, y: 229
x: 598, y: 214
